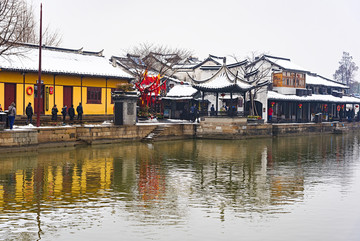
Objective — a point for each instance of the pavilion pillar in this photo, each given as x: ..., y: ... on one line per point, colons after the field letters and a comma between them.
x: 217, y: 103
x: 232, y: 110
x: 244, y: 104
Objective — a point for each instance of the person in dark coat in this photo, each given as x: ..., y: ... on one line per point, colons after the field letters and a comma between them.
x: 54, y: 112
x: 79, y: 111
x: 71, y: 112
x: 29, y: 113
x: 212, y: 110
x: 11, y: 115
x: 64, y: 112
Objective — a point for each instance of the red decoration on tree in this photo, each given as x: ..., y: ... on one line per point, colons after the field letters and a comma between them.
x: 149, y: 88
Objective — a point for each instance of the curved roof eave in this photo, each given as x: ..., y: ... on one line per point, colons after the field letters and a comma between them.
x: 234, y: 88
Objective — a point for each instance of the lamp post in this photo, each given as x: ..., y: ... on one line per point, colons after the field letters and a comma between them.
x: 39, y: 78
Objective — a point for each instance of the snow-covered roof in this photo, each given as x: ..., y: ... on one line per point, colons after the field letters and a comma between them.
x: 284, y: 63
x: 313, y: 98
x: 61, y: 61
x: 182, y: 91
x: 318, y: 80
x: 223, y: 80
x: 196, y: 65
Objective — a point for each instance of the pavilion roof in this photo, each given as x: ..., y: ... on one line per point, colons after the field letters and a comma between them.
x: 222, y: 81
x: 183, y: 92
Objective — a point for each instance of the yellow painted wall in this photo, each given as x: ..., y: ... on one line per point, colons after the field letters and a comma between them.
x: 68, y: 80
x: 11, y: 77
x: 76, y: 96
x: 59, y: 94
x: 19, y: 99
x: 94, y: 82
x: 110, y: 106
x: 79, y: 93
x: 2, y: 95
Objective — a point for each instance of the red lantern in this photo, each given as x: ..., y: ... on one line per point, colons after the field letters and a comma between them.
x: 51, y: 90
x: 356, y: 106
x: 300, y: 105
x: 222, y: 95
x: 272, y: 103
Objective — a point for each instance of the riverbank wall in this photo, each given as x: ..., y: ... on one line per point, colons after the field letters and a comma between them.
x: 43, y: 137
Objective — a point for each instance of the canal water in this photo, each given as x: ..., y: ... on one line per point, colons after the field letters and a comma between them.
x: 289, y: 188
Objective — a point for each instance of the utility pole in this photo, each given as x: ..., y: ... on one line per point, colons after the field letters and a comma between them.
x: 39, y: 78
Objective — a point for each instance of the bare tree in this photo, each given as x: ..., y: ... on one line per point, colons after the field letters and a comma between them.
x: 258, y: 74
x: 51, y: 37
x: 18, y: 25
x: 155, y: 58
x: 346, y: 71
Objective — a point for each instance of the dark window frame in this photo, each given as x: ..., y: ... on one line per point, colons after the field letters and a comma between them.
x: 93, y: 95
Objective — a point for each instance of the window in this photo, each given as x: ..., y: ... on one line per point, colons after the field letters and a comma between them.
x: 93, y: 95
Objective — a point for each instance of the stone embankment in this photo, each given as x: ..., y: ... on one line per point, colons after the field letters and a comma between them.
x: 207, y: 129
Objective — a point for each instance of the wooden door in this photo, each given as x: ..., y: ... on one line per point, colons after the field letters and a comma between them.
x: 10, y: 95
x: 118, y: 113
x: 68, y: 96
x: 37, y: 100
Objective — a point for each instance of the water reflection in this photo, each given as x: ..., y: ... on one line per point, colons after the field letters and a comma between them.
x: 167, y: 183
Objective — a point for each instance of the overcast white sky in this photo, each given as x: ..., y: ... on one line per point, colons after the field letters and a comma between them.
x: 312, y: 33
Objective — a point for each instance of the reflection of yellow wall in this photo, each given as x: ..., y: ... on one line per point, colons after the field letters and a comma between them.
x: 19, y: 178
x: 49, y: 185
x: 1, y: 196
x: 106, y: 173
x: 58, y: 181
x: 92, y: 176
x: 78, y: 83
x: 83, y: 179
x: 75, y: 187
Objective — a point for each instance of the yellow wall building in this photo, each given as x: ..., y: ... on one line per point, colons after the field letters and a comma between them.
x: 68, y: 77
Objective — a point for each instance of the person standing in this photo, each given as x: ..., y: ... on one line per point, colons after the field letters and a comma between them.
x: 212, y: 110
x: 1, y: 110
x: 29, y: 113
x: 80, y: 111
x: 11, y: 115
x: 63, y: 112
x: 270, y: 113
x: 71, y: 112
x: 54, y: 112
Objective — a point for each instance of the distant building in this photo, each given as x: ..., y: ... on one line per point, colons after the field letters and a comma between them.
x: 68, y: 77
x: 298, y: 95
